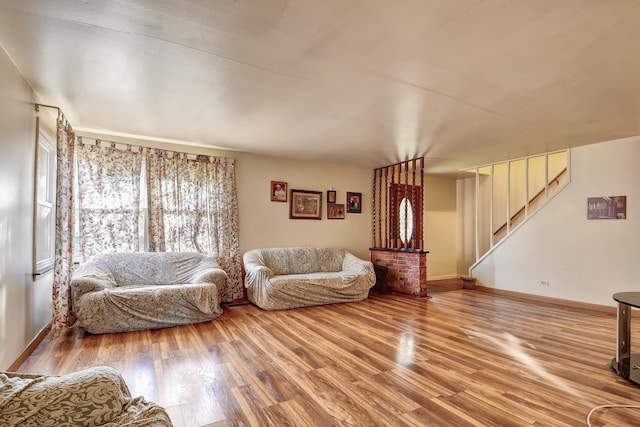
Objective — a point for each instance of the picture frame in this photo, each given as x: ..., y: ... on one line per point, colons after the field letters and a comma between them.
x: 331, y: 196
x: 279, y: 191
x: 354, y: 202
x: 335, y: 211
x: 612, y: 207
x: 305, y: 204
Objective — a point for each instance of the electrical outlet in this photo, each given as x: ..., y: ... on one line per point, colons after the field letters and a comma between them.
x: 543, y: 283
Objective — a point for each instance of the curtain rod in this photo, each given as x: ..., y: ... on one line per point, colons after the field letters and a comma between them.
x: 38, y: 105
x: 153, y: 148
x: 61, y: 115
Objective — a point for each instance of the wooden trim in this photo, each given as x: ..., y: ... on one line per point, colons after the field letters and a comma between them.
x: 448, y: 281
x: 547, y: 300
x: 30, y: 348
x: 401, y: 250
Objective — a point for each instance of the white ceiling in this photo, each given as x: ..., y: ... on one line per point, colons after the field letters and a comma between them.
x: 368, y: 82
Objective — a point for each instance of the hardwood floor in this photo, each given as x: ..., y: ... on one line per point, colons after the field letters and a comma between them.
x: 460, y: 358
x: 437, y: 286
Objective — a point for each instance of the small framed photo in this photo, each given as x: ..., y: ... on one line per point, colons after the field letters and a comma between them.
x: 331, y: 196
x: 612, y: 207
x: 278, y: 191
x: 305, y: 204
x: 354, y: 202
x: 335, y: 211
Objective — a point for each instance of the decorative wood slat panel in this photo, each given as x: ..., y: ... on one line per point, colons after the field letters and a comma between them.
x: 398, y: 181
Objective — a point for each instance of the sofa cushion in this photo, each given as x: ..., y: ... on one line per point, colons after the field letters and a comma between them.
x: 302, y: 260
x: 154, y: 268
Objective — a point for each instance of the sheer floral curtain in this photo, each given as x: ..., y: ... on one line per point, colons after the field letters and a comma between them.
x: 193, y: 206
x: 63, y: 261
x: 108, y: 198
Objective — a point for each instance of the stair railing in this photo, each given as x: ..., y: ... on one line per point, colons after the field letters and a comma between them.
x: 554, y: 180
x: 485, y: 239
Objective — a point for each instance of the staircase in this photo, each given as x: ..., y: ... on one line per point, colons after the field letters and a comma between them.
x: 508, y: 193
x: 523, y: 209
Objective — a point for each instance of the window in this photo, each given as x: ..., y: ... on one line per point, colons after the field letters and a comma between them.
x: 108, y: 205
x: 191, y: 205
x: 44, y: 212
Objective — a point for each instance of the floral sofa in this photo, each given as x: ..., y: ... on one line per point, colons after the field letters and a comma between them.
x: 93, y: 397
x: 144, y: 290
x: 282, y: 278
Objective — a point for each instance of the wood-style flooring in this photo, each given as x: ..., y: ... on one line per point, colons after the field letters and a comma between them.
x: 460, y: 358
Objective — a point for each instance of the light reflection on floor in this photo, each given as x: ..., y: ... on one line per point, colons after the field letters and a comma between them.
x: 514, y: 347
x: 406, y: 352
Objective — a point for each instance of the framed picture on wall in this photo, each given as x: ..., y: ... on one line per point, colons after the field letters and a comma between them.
x: 278, y: 191
x: 305, y: 204
x: 335, y: 211
x: 612, y: 207
x: 354, y: 202
x: 331, y: 196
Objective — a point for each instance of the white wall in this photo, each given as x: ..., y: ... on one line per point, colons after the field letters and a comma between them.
x: 585, y: 261
x: 24, y: 304
x: 440, y: 224
x: 264, y: 223
x: 466, y: 224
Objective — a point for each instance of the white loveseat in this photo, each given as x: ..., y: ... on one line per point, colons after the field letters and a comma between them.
x: 146, y: 290
x: 282, y: 278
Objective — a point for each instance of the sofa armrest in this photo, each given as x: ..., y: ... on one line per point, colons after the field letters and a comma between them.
x: 256, y: 271
x: 353, y: 264
x: 211, y: 275
x: 256, y: 268
x: 255, y: 274
x: 88, y: 278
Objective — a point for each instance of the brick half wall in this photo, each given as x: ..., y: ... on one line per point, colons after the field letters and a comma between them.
x: 407, y: 270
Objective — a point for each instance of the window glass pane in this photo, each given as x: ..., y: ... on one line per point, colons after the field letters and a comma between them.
x: 406, y: 221
x: 43, y: 174
x: 44, y: 215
